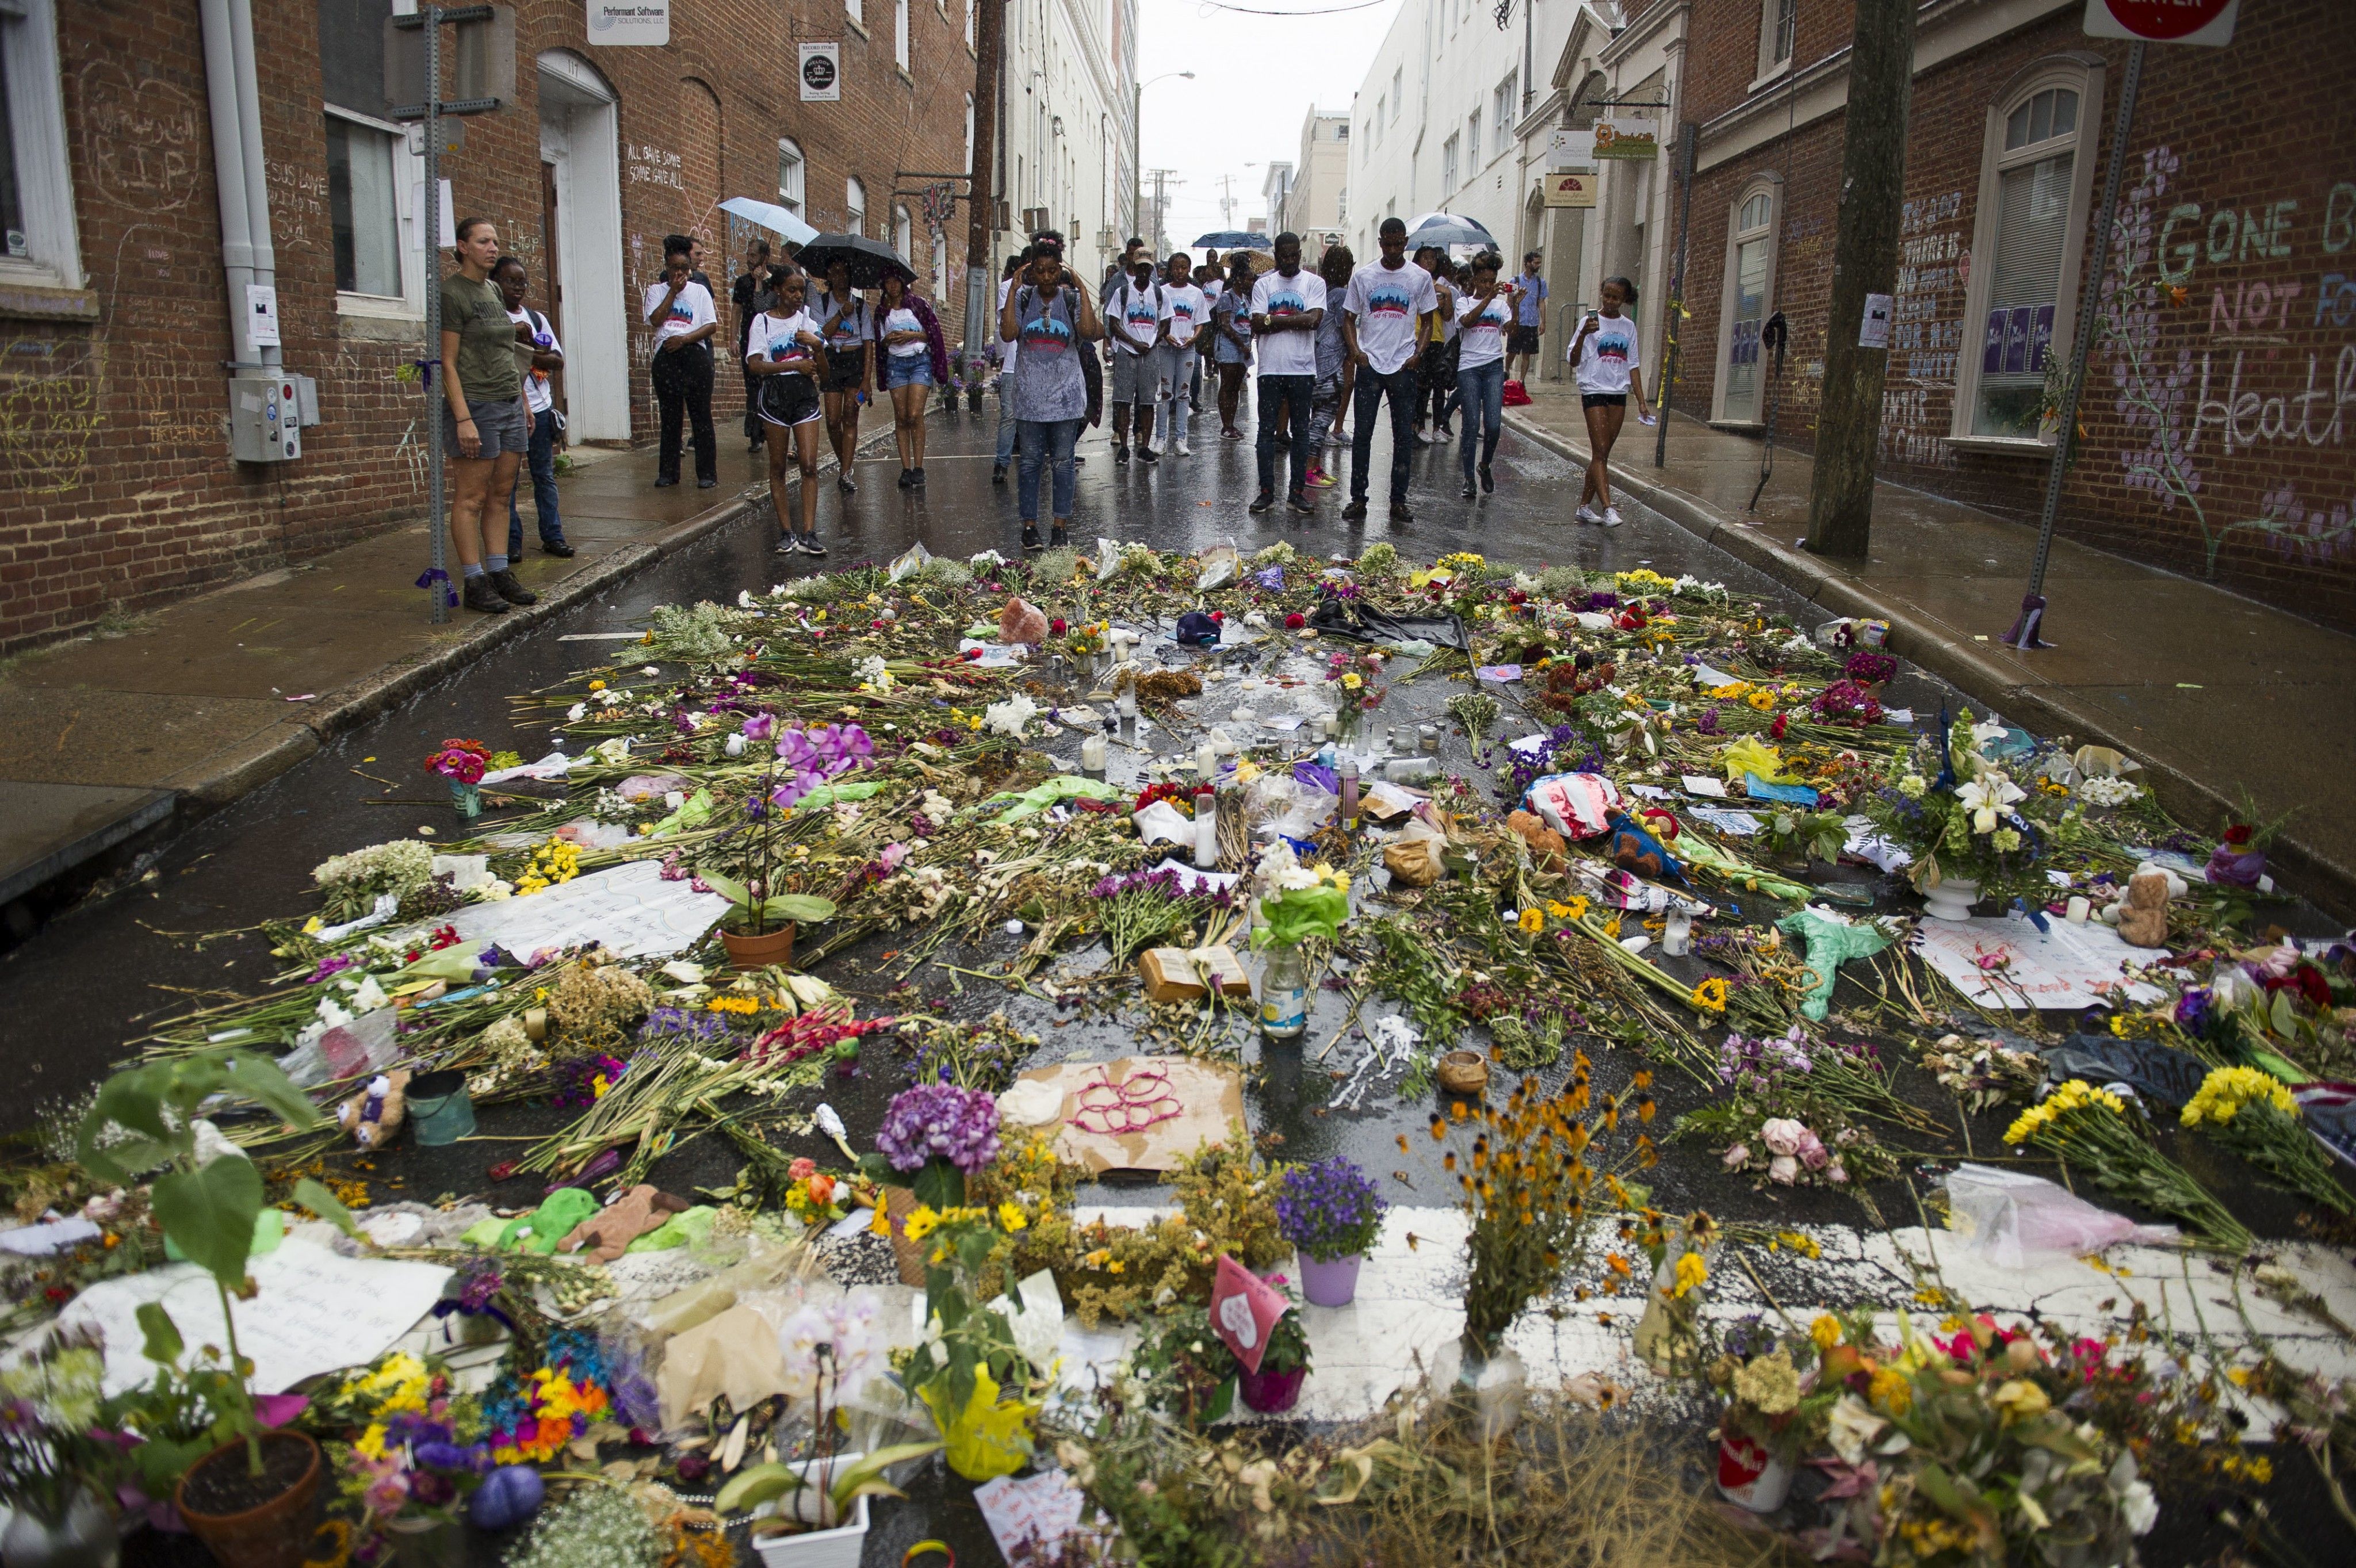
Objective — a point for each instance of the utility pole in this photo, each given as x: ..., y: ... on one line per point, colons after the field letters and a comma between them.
x: 1227, y: 202
x: 982, y: 223
x: 1160, y: 210
x: 1865, y: 276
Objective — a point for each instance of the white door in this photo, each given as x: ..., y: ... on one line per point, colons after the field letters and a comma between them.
x: 578, y: 138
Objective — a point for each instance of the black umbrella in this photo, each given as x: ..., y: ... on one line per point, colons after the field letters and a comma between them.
x: 1233, y: 239
x: 871, y: 260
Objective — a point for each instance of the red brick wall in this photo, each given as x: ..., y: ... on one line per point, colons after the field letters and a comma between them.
x: 116, y: 490
x: 2259, y: 130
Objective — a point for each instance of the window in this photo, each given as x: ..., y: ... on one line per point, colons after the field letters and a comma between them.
x: 1778, y: 21
x: 940, y: 264
x: 968, y: 165
x: 1342, y: 206
x: 1380, y: 103
x: 1503, y: 109
x: 1750, y: 280
x: 856, y: 11
x: 1342, y: 131
x: 2028, y: 229
x: 1447, y: 165
x: 790, y: 175
x: 363, y: 209
x: 854, y: 207
x: 1398, y: 91
x: 1472, y: 142
x: 904, y: 235
x: 970, y: 8
x: 900, y: 33
x: 39, y: 242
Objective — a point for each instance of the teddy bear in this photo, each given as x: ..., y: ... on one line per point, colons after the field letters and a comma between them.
x: 2143, y: 919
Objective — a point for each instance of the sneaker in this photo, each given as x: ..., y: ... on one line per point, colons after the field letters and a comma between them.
x: 1184, y: 450
x: 1400, y: 512
x: 807, y: 544
x: 1585, y: 514
x: 1422, y: 439
x: 843, y: 482
x: 558, y: 548
x: 1468, y: 492
x: 907, y: 477
x: 1030, y: 540
x: 1356, y: 512
x: 917, y: 483
x: 1488, y: 481
x: 1612, y: 518
x: 662, y: 484
x: 1323, y: 481
x: 1058, y: 536
x: 511, y: 588
x: 1121, y: 451
x: 787, y: 546
x: 1263, y: 501
x: 1443, y: 428
x: 998, y: 473
x: 481, y: 595
x: 1300, y: 502
x: 1148, y: 455
x: 706, y: 484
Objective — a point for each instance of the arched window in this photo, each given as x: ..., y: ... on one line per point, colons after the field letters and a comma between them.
x: 854, y: 207
x: 2028, y: 236
x: 1749, y: 286
x: 790, y: 175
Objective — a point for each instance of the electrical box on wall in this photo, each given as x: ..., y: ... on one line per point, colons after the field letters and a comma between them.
x: 265, y: 417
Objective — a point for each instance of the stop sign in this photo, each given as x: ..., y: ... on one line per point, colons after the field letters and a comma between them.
x: 2163, y: 21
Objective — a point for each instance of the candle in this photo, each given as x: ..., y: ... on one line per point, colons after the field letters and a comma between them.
x: 1092, y: 754
x: 1206, y: 829
x: 1676, y: 940
x: 1206, y: 758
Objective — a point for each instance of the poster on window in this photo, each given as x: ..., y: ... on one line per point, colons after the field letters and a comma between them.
x: 821, y: 73
x: 617, y: 23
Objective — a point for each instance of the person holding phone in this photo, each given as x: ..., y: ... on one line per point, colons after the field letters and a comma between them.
x: 483, y: 422
x: 782, y: 352
x: 1604, y: 352
x: 1052, y: 318
x: 846, y: 323
x: 1482, y: 320
x: 680, y: 311
x: 538, y: 356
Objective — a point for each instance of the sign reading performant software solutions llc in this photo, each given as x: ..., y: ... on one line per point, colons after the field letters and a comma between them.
x: 616, y: 23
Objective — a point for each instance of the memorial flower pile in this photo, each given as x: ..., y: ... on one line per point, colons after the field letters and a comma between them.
x: 2092, y: 1129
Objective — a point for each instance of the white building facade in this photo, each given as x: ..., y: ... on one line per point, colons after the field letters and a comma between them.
x: 1068, y: 143
x: 1318, y: 204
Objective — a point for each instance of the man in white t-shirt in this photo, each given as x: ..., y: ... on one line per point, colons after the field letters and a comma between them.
x: 1287, y: 306
x: 1007, y: 424
x: 1132, y: 323
x: 536, y: 359
x: 1388, y: 302
x: 1185, y: 310
x: 680, y: 311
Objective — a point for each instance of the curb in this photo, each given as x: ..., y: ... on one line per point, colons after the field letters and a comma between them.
x: 2295, y: 865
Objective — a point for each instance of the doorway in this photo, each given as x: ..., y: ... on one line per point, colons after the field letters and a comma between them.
x: 581, y: 213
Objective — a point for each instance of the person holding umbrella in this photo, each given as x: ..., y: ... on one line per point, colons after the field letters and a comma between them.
x: 781, y: 352
x: 1052, y: 320
x: 846, y: 323
x: 914, y: 356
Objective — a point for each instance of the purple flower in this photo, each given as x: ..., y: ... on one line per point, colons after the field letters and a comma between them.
x: 940, y: 1121
x: 1330, y: 1210
x: 760, y: 727
x: 334, y: 963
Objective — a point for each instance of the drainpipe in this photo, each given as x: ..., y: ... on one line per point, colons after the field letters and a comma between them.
x: 233, y: 95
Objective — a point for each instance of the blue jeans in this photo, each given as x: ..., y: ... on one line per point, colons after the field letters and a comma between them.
x: 541, y: 455
x: 1483, y: 388
x: 1404, y: 392
x: 1290, y: 392
x: 1048, y: 441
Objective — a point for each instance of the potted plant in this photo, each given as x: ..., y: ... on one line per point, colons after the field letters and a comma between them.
x: 1283, y: 1368
x: 934, y: 1136
x: 462, y: 764
x: 1774, y: 1412
x: 1186, y: 1370
x: 249, y: 1499
x: 978, y: 1368
x: 55, y: 1461
x: 758, y: 928
x: 1331, y: 1212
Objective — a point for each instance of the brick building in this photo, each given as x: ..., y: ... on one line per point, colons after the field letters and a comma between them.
x: 117, y: 485
x: 2220, y: 438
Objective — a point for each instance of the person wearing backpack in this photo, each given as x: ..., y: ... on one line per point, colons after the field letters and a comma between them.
x: 1052, y: 320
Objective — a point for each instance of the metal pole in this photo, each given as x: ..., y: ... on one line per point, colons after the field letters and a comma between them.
x: 1688, y: 145
x: 437, y: 530
x: 2023, y: 634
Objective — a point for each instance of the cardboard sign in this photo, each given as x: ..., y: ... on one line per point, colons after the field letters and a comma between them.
x: 1244, y: 1311
x: 1627, y: 137
x: 1568, y: 187
x: 1208, y: 1095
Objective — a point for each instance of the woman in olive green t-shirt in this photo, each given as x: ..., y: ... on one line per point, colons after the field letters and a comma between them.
x: 484, y: 426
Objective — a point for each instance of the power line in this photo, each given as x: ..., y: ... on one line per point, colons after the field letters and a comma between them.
x: 1320, y: 11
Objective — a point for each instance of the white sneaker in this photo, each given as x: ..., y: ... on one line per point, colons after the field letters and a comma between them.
x: 1585, y: 514
x: 1612, y: 516
x: 1184, y: 450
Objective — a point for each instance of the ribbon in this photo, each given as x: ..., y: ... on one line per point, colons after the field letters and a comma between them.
x: 451, y: 1303
x: 433, y: 575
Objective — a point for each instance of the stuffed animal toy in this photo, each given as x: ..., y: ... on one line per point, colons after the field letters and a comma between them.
x: 2143, y: 922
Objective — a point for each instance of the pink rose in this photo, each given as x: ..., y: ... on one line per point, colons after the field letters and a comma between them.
x: 1812, y: 1151
x: 1782, y: 1136
x: 1736, y: 1157
x: 1782, y: 1170
x: 1837, y: 1173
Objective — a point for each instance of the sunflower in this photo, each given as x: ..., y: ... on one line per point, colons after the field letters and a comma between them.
x: 1710, y: 996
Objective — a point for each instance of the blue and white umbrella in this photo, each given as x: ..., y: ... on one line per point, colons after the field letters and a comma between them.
x: 1447, y: 229
x: 770, y: 216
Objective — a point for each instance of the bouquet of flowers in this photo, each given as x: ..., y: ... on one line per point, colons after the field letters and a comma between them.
x: 1357, y: 686
x: 2089, y: 1127
x: 1145, y: 909
x: 1847, y: 703
x: 1298, y: 902
x: 52, y: 1451
x: 942, y: 1134
x: 814, y: 1197
x: 1773, y: 1396
x: 1524, y: 1179
x: 1867, y: 667
x: 531, y: 1413
x: 1962, y: 815
x: 460, y: 761
x: 2252, y: 1115
x: 1330, y: 1210
x: 412, y: 1446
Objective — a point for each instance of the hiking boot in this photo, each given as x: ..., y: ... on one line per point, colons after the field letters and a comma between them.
x: 1400, y: 512
x: 511, y: 588
x: 558, y: 548
x: 481, y: 595
x: 1263, y: 501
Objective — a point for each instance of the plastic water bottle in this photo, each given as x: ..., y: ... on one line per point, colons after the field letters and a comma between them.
x: 1284, y: 994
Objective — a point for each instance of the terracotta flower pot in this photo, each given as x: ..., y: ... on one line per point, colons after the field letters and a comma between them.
x: 275, y: 1534
x: 756, y: 953
x: 899, y: 1202
x: 1270, y: 1392
x: 1463, y: 1072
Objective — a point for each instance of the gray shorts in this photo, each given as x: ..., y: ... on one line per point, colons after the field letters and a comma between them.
x: 1133, y: 377
x: 503, y: 427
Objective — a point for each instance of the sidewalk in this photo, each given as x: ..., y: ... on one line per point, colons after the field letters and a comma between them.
x: 102, y: 737
x: 2209, y: 691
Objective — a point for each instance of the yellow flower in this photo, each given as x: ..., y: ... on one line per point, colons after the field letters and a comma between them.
x: 369, y: 1444
x: 2019, y: 1400
x: 597, y: 685
x: 1010, y: 1217
x: 2226, y: 1090
x: 312, y: 926
x: 1710, y: 994
x: 1825, y: 1331
x: 1116, y: 1266
x: 1098, y: 1258
x: 1351, y: 681
x: 921, y: 1223
x: 1731, y: 691
x: 1557, y: 908
x: 1891, y: 1391
x: 1692, y: 1273
x: 1533, y: 921
x: 1762, y: 700
x: 882, y: 1224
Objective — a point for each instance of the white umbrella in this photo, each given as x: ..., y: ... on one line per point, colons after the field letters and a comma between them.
x: 1448, y: 228
x: 770, y: 216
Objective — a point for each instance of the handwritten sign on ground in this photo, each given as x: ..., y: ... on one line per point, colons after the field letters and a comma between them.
x: 2010, y: 963
x: 1204, y: 1096
x: 630, y: 909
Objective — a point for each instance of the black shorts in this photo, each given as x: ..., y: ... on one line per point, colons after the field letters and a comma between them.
x: 1603, y: 400
x: 787, y: 398
x: 845, y: 372
x: 1524, y: 340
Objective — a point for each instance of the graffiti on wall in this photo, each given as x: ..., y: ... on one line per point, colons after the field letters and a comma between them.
x: 49, y: 409
x: 1926, y: 327
x: 2246, y: 392
x: 653, y: 166
x: 143, y: 138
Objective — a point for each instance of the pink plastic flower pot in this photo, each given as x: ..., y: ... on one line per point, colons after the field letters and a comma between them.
x: 1269, y: 1392
x: 1330, y: 1285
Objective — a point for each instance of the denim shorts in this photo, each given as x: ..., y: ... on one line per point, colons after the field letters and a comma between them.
x: 503, y: 427
x: 908, y: 370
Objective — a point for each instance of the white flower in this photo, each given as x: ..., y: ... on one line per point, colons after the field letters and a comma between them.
x: 2101, y: 791
x: 1986, y: 795
x: 577, y: 711
x: 2139, y: 1508
x: 1008, y: 717
x: 1783, y: 1170
x: 1852, y: 1427
x: 743, y: 598
x: 651, y: 670
x: 733, y: 746
x: 1983, y: 732
x: 870, y: 671
x: 1914, y: 786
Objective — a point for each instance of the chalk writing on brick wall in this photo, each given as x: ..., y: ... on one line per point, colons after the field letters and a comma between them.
x: 49, y: 409
x: 2245, y: 391
x: 653, y: 166
x: 1925, y: 332
x: 142, y: 137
